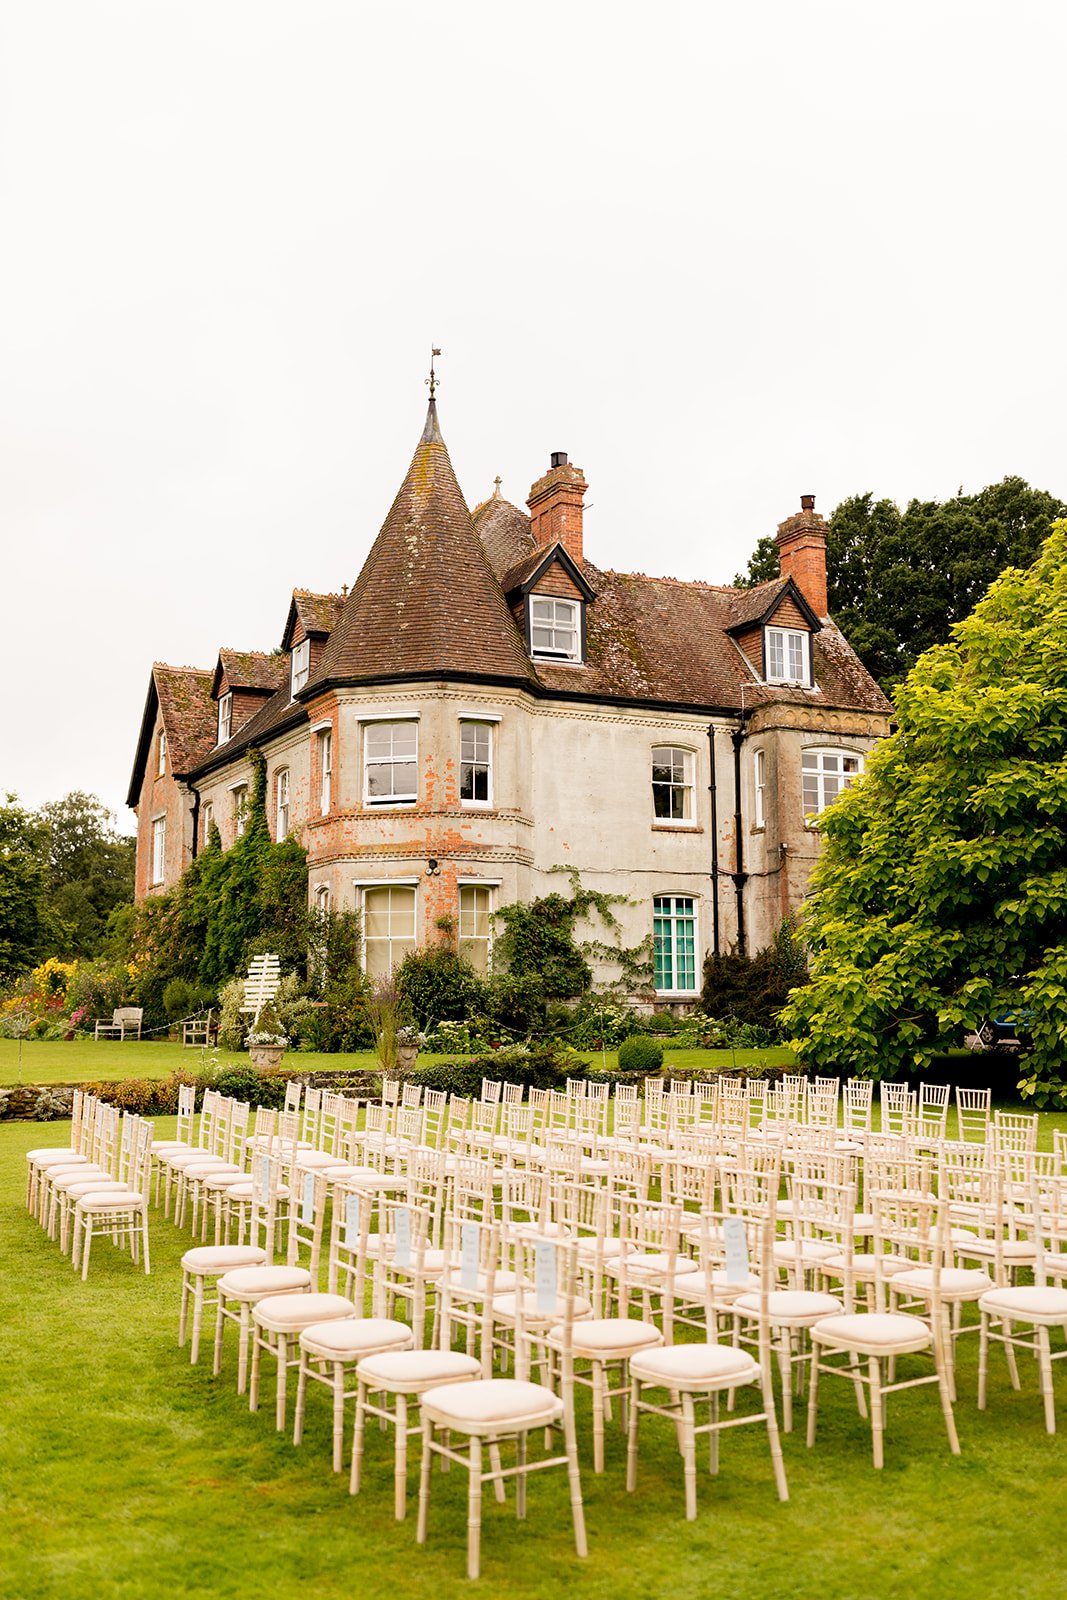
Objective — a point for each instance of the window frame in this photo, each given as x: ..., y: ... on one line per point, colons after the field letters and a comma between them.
x: 402, y: 801
x: 489, y: 889
x: 842, y: 753
x: 159, y: 852
x: 576, y: 628
x: 240, y: 810
x: 786, y: 634
x: 687, y: 785
x: 225, y: 702
x: 281, y: 804
x: 325, y: 738
x: 478, y: 725
x: 207, y: 817
x: 759, y: 788
x: 675, y: 920
x: 161, y: 754
x: 299, y: 667
x: 365, y: 888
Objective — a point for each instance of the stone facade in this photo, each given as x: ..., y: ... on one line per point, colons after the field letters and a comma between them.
x: 642, y: 733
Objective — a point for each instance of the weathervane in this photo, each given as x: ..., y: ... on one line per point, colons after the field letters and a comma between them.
x: 432, y: 380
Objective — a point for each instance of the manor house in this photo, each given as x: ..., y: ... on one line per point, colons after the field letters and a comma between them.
x: 486, y: 707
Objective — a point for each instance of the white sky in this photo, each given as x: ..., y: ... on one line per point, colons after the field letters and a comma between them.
x: 720, y: 253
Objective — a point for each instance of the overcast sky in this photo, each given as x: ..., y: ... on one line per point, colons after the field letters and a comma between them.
x: 723, y: 254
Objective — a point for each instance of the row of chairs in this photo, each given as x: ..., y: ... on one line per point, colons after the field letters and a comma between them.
x: 95, y: 1186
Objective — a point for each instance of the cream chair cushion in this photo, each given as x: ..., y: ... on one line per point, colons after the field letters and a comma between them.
x: 207, y: 1259
x: 492, y: 1405
x: 346, y: 1339
x: 412, y: 1371
x: 285, y: 1312
x: 1027, y: 1304
x: 884, y: 1332
x: 245, y: 1283
x: 695, y: 1366
x: 797, y: 1308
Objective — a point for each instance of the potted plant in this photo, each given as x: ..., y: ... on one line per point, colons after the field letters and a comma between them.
x: 266, y: 1042
x: 409, y: 1041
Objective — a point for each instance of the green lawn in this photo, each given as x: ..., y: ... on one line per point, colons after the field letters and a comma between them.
x: 126, y: 1473
x: 107, y: 1060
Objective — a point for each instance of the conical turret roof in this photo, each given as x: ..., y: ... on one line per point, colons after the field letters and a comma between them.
x: 426, y: 601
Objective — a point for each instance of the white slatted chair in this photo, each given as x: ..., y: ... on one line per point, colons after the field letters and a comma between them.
x: 241, y: 1288
x: 702, y: 1372
x: 121, y: 1216
x: 496, y: 1412
x: 881, y: 1337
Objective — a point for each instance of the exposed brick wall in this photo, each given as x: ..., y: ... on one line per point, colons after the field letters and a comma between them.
x: 162, y: 796
x: 802, y: 555
x: 555, y: 506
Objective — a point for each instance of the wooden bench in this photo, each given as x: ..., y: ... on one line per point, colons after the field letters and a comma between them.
x: 125, y: 1024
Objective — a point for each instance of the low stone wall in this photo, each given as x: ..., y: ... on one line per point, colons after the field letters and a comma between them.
x: 35, y: 1102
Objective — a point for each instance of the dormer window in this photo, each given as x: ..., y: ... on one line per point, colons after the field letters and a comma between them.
x: 300, y: 667
x: 225, y: 717
x: 555, y: 628
x: 787, y: 655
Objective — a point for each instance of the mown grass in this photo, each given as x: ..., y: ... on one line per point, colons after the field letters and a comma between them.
x: 126, y: 1473
x: 108, y: 1060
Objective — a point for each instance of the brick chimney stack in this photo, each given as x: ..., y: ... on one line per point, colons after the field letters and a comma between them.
x: 802, y: 553
x: 555, y: 506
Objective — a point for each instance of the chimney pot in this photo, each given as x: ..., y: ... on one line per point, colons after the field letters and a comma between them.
x: 807, y: 502
x: 558, y: 458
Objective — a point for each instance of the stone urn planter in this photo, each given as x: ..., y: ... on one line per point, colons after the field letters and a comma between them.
x: 265, y: 1056
x: 406, y: 1057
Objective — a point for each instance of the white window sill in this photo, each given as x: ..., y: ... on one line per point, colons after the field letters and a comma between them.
x: 677, y: 994
x: 661, y: 825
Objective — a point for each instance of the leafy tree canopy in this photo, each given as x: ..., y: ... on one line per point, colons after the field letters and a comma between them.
x: 941, y: 894
x: 23, y: 931
x: 88, y: 872
x: 898, y: 580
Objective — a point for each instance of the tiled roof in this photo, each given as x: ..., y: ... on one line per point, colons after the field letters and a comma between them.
x: 426, y: 600
x: 252, y: 669
x: 748, y: 605
x: 505, y: 533
x: 183, y: 694
x: 189, y: 714
x: 317, y: 612
x: 660, y: 639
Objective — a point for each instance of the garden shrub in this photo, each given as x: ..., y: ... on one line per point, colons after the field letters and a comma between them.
x: 640, y: 1053
x: 754, y: 989
x: 182, y: 999
x: 661, y: 1022
x: 437, y: 985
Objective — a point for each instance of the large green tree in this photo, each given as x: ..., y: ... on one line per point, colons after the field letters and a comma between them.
x: 23, y: 930
x: 941, y: 893
x: 88, y: 872
x: 898, y: 580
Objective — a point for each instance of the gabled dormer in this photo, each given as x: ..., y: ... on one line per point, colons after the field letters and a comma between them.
x: 308, y: 626
x: 548, y: 594
x: 774, y: 631
x: 244, y: 681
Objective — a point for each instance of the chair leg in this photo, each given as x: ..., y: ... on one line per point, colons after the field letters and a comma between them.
x: 357, y: 1439
x: 87, y: 1229
x: 631, y: 1436
x: 1045, y: 1358
x: 283, y: 1374
x: 785, y: 1368
x: 183, y: 1309
x: 689, y: 1457
x: 474, y: 1509
x: 1009, y: 1353
x: 570, y: 1441
x: 598, y: 1417
x: 400, y: 1465
x: 813, y: 1393
x: 520, y: 1478
x: 198, y: 1316
x: 983, y: 1359
x: 338, y: 1415
x: 301, y: 1398
x: 253, y: 1381
x: 424, y: 1483
x: 874, y: 1368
